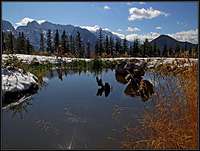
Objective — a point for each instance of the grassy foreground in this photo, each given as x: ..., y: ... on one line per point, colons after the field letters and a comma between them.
x: 173, y: 122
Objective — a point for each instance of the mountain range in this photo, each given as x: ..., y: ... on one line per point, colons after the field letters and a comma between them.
x: 33, y: 29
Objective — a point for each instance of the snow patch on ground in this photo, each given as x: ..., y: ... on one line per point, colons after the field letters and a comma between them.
x: 15, y: 80
x: 54, y: 59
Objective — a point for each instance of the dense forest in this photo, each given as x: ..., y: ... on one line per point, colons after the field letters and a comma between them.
x: 67, y: 45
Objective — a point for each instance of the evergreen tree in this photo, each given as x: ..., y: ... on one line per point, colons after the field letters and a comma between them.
x: 71, y: 44
x: 177, y: 49
x: 100, y: 42
x: 88, y: 50
x: 125, y: 47
x: 28, y: 46
x: 97, y: 48
x: 136, y: 47
x: 154, y: 49
x: 130, y: 50
x: 56, y: 41
x: 165, y: 51
x: 118, y: 46
x: 190, y: 51
x: 18, y: 43
x: 42, y: 47
x: 67, y: 44
x: 158, y: 50
x: 64, y: 42
x: 11, y: 48
x: 185, y: 47
x: 111, y: 44
x: 3, y: 43
x: 49, y: 42
x: 107, y: 45
x: 79, y: 49
x: 170, y: 52
x: 145, y: 46
x: 23, y: 43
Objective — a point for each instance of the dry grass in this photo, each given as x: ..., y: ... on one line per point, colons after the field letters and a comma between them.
x: 173, y: 122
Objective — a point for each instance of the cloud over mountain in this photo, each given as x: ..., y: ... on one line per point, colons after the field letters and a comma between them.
x: 134, y: 29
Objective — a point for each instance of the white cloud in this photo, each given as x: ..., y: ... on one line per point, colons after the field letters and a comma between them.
x: 96, y: 27
x: 106, y: 7
x: 130, y: 3
x: 122, y: 36
x: 142, y: 3
x: 119, y: 30
x: 139, y: 14
x: 189, y: 35
x: 134, y: 29
x: 26, y: 20
x: 91, y: 28
x: 158, y: 27
x: 150, y: 36
x: 181, y: 23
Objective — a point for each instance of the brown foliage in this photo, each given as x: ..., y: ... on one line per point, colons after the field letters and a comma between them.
x: 173, y: 122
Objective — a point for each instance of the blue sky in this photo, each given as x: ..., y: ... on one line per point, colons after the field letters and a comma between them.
x: 127, y: 18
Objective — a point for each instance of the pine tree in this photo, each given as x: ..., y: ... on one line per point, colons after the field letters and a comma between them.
x: 185, y: 47
x: 28, y: 46
x: 100, y: 42
x: 165, y: 51
x: 154, y: 49
x: 145, y: 48
x: 177, y: 49
x: 56, y: 42
x: 18, y: 43
x: 42, y: 47
x: 88, y: 50
x: 78, y: 47
x: 23, y: 43
x: 170, y: 52
x: 64, y: 42
x: 117, y: 46
x: 111, y: 44
x: 49, y: 42
x: 190, y: 51
x: 130, y: 52
x: 11, y: 48
x: 97, y: 48
x: 136, y: 47
x: 72, y: 45
x: 67, y: 44
x: 107, y: 50
x: 3, y: 43
x: 125, y: 47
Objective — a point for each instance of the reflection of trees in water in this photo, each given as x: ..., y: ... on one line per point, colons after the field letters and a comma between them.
x: 47, y: 127
x: 104, y: 88
x: 21, y: 108
x: 60, y: 73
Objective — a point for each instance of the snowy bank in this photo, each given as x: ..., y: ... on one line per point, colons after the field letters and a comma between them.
x: 151, y: 61
x: 15, y: 80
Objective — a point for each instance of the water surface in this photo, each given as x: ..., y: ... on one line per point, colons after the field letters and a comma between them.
x: 67, y: 113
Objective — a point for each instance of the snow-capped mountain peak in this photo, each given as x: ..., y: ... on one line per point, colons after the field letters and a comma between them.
x: 94, y: 28
x: 26, y: 20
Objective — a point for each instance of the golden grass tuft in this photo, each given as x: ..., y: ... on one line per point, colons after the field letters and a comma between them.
x: 173, y: 122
